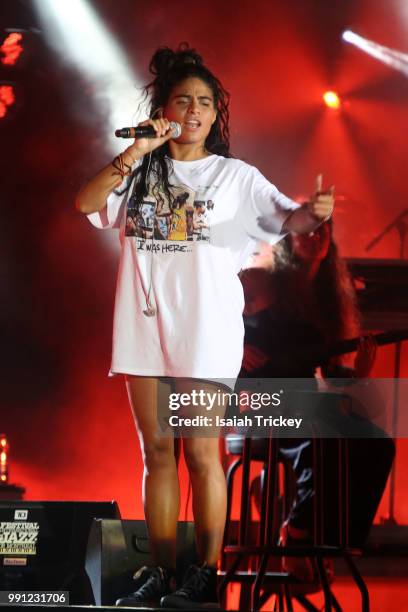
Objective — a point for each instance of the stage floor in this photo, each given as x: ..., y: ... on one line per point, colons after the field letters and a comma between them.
x: 386, y: 595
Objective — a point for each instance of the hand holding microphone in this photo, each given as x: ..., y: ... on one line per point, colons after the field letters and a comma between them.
x: 149, y: 135
x: 146, y: 131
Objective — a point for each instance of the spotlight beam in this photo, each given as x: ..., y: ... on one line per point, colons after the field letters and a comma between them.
x: 76, y: 32
x: 391, y: 57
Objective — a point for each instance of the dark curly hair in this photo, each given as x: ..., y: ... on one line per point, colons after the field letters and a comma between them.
x: 334, y: 297
x: 170, y: 68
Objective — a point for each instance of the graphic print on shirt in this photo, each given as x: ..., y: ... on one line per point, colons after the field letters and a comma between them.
x: 180, y: 218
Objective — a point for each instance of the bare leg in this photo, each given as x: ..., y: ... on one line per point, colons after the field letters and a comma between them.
x: 161, y: 491
x: 207, y: 480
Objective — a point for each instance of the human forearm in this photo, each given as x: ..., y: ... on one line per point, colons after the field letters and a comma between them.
x: 92, y: 197
x: 301, y: 221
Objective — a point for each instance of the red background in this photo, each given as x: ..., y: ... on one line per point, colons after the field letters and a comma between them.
x: 69, y: 426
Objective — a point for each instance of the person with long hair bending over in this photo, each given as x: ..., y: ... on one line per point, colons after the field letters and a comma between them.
x: 178, y: 310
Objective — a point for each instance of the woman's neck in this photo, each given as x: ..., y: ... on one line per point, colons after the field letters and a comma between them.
x: 187, y: 152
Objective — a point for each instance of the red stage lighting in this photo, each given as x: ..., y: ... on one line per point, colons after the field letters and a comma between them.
x: 11, y: 49
x: 7, y: 98
x: 4, y: 448
x: 331, y: 99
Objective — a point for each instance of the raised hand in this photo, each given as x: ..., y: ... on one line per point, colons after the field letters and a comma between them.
x: 321, y: 204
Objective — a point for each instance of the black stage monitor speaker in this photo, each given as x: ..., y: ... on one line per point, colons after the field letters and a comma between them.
x: 43, y: 545
x: 117, y: 549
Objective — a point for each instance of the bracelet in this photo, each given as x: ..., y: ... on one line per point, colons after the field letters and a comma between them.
x: 123, y: 169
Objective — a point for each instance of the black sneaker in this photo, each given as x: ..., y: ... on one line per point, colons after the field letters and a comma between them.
x: 155, y: 583
x: 199, y: 591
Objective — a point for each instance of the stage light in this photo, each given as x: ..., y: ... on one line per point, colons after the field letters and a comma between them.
x: 347, y: 35
x: 391, y: 57
x: 11, y: 49
x: 4, y: 468
x: 7, y: 98
x: 76, y: 32
x: 331, y: 99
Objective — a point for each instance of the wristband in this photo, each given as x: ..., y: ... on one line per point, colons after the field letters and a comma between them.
x: 123, y: 169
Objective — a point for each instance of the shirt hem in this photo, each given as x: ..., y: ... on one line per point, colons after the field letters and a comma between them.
x: 226, y: 380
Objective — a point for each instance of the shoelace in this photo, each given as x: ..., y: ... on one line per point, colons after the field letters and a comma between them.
x: 149, y: 588
x: 197, y: 582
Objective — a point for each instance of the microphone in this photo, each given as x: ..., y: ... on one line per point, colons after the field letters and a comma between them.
x: 146, y: 131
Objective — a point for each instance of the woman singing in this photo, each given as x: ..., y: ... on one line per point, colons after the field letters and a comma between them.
x: 178, y: 311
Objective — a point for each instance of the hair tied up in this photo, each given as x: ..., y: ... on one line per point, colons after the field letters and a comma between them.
x: 166, y: 60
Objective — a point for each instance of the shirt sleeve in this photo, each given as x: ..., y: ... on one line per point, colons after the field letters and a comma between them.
x: 264, y: 209
x: 111, y: 215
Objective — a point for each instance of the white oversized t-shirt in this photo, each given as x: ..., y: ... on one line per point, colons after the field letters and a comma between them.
x: 189, y: 248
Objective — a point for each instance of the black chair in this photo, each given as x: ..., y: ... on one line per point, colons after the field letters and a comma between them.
x: 249, y: 566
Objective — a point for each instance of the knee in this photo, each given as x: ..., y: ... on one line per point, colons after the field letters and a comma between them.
x: 157, y: 453
x: 199, y: 460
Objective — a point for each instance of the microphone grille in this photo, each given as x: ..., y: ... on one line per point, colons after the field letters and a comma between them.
x: 177, y: 129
